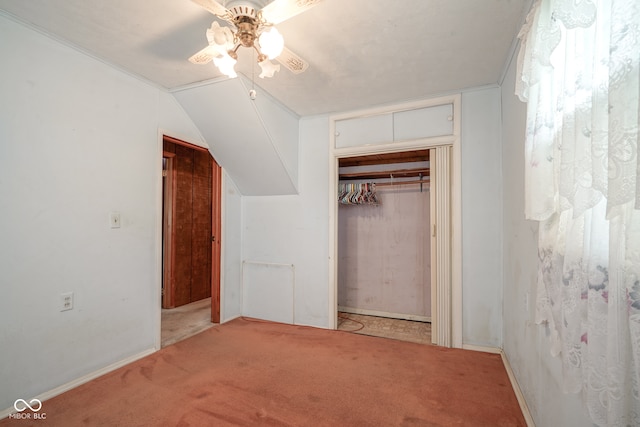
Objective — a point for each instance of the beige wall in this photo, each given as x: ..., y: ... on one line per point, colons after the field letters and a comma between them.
x: 384, y: 253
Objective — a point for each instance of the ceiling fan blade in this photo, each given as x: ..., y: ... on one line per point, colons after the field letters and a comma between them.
x: 293, y: 62
x: 281, y: 10
x: 205, y: 56
x: 216, y: 8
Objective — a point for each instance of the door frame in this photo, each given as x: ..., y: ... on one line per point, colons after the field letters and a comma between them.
x: 449, y: 327
x: 168, y: 231
x: 216, y: 218
x: 216, y: 232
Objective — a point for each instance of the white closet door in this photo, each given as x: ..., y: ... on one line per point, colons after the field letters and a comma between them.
x: 440, y: 161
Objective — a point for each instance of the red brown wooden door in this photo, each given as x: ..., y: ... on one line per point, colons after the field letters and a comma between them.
x: 216, y: 216
x: 191, y: 247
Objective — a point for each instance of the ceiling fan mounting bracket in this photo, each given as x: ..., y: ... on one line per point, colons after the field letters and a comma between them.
x: 244, y: 8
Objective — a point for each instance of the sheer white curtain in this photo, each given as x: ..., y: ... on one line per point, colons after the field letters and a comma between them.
x: 578, y: 71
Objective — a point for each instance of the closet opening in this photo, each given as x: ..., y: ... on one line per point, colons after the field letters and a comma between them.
x: 384, y: 242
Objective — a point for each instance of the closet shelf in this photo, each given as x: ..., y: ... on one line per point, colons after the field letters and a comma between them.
x: 398, y: 173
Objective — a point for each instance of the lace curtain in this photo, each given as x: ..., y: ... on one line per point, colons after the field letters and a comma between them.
x: 578, y: 71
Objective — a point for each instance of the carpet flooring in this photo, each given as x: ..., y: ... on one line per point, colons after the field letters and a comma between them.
x: 253, y: 373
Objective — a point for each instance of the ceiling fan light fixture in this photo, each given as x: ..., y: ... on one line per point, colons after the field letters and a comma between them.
x: 268, y: 68
x: 220, y: 36
x: 251, y: 26
x: 271, y: 42
x: 226, y: 64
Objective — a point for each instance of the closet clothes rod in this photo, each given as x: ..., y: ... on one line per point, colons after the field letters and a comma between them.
x: 385, y: 184
x: 399, y: 173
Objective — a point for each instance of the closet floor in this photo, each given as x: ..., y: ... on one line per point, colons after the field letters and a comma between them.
x: 403, y: 330
x: 184, y: 321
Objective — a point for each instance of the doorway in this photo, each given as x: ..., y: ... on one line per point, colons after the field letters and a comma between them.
x: 190, y: 240
x: 384, y: 245
x: 433, y: 125
x: 444, y: 236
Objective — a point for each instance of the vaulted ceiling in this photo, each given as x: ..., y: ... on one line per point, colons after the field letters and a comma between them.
x: 361, y: 52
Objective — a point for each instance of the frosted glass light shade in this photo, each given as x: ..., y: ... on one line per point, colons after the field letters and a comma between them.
x: 268, y: 68
x: 271, y: 42
x: 222, y: 37
x: 226, y: 64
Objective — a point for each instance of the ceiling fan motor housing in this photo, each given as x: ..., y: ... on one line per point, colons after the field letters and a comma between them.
x: 247, y: 28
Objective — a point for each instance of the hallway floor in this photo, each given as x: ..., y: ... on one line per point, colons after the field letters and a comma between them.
x: 185, y: 321
x: 403, y: 330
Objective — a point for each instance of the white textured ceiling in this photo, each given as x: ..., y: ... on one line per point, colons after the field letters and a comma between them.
x: 361, y: 52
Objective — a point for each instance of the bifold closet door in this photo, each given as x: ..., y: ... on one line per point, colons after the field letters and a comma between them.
x: 440, y: 163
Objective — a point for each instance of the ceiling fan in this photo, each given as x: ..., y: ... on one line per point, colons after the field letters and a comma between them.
x: 251, y: 27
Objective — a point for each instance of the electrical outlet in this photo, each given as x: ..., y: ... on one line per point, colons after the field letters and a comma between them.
x: 66, y: 301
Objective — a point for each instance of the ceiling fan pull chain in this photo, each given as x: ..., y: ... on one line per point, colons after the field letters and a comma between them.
x: 252, y: 92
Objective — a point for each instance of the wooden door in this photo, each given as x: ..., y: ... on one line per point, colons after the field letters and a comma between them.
x: 216, y: 215
x: 193, y: 271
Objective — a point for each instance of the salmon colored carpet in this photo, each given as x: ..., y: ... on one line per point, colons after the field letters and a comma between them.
x: 252, y: 373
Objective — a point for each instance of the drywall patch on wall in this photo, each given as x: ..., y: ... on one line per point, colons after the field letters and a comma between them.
x: 268, y: 291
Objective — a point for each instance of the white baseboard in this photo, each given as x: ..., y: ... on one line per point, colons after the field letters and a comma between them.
x: 223, y: 320
x: 493, y: 350
x: 83, y: 379
x: 516, y: 388
x: 402, y: 316
x: 512, y: 378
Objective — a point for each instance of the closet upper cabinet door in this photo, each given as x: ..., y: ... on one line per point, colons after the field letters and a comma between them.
x: 369, y: 130
x: 423, y: 123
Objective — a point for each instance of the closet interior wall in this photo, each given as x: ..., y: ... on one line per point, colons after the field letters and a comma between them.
x: 384, y: 253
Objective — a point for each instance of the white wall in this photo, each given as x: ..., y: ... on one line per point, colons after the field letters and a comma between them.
x: 525, y: 343
x: 176, y: 122
x: 281, y: 124
x: 231, y: 261
x: 255, y: 141
x: 295, y: 229
x: 481, y: 218
x: 78, y: 139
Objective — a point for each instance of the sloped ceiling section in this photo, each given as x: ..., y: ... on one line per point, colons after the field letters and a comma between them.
x: 256, y: 141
